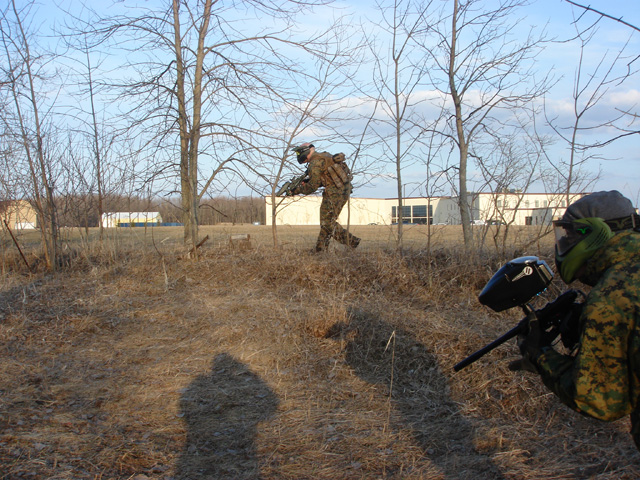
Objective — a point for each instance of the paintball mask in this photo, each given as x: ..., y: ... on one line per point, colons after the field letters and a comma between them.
x: 302, y: 152
x: 576, y: 242
x: 586, y: 226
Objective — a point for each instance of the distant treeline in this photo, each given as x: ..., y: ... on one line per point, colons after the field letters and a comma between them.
x: 83, y: 211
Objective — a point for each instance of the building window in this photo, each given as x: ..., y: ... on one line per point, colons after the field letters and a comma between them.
x: 412, y: 214
x: 406, y: 214
x: 419, y: 214
x: 528, y: 220
x: 537, y: 203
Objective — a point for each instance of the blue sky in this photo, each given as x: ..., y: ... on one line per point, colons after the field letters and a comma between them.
x: 620, y: 165
x: 622, y: 172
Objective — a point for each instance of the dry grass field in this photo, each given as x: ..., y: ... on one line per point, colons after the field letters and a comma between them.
x: 133, y: 362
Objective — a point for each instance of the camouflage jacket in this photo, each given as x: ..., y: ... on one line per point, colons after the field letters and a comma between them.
x: 319, y: 174
x: 602, y: 380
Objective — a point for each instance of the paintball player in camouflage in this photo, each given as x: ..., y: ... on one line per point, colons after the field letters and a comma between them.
x: 331, y: 172
x: 598, y: 243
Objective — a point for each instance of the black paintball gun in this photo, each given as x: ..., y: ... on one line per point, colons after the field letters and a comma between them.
x: 515, y: 284
x: 288, y: 187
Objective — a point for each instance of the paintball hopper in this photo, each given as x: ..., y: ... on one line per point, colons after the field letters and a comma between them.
x: 517, y: 282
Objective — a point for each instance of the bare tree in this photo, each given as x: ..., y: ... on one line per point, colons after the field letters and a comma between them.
x: 485, y: 73
x: 437, y: 171
x: 29, y: 120
x: 510, y: 166
x: 100, y: 145
x: 98, y: 157
x: 399, y: 70
x: 591, y: 85
x: 199, y: 84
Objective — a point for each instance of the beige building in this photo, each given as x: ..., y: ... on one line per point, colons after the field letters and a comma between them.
x: 18, y: 214
x: 513, y: 208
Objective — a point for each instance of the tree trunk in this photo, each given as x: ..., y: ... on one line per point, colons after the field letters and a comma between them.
x: 189, y: 139
x: 463, y: 195
x: 38, y: 165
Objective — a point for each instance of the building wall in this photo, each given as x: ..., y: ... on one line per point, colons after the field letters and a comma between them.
x: 305, y: 210
x: 115, y: 219
x: 516, y: 208
x: 19, y: 215
x: 507, y: 208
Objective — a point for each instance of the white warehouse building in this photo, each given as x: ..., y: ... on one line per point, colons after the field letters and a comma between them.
x: 513, y: 208
x: 118, y: 219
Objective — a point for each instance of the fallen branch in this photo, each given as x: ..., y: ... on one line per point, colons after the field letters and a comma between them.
x: 192, y: 252
x: 17, y: 245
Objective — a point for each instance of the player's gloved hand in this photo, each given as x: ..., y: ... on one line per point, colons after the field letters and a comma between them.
x: 530, y: 345
x: 522, y: 364
x: 531, y: 341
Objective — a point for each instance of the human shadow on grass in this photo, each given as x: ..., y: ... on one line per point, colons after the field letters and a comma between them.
x: 222, y: 410
x: 381, y: 354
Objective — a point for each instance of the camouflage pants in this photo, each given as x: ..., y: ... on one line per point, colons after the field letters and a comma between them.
x: 330, y: 208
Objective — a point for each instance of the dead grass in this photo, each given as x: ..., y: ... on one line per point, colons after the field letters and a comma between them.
x: 277, y: 364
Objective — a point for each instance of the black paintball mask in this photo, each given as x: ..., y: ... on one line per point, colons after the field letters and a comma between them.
x: 302, y: 152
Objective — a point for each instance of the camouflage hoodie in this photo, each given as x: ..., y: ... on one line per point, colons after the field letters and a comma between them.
x: 603, y: 379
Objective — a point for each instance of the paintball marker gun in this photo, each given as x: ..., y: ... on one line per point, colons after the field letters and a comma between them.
x: 515, y: 284
x: 287, y: 188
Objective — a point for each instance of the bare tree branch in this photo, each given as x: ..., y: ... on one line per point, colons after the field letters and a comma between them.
x: 588, y: 8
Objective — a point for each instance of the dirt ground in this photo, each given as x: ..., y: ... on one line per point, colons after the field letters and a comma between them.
x: 277, y: 364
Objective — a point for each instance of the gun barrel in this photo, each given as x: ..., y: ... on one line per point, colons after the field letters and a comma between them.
x: 486, y: 349
x: 283, y: 189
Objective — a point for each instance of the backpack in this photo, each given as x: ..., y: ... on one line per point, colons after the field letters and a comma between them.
x: 337, y: 171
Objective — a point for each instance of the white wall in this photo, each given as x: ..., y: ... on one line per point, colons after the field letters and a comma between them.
x: 521, y: 208
x: 510, y: 208
x: 305, y: 210
x: 112, y: 219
